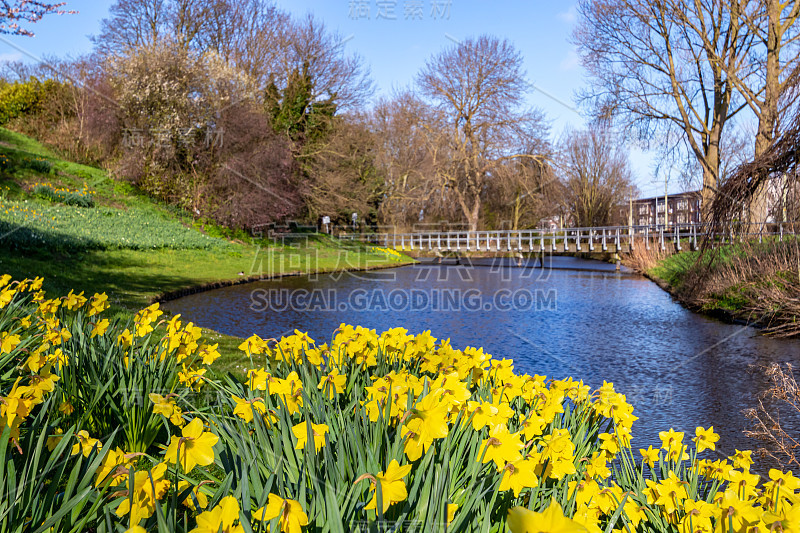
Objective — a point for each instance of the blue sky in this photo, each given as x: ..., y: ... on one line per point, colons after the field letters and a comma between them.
x: 395, y: 50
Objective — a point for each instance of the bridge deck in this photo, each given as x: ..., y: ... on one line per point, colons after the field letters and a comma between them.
x: 620, y: 240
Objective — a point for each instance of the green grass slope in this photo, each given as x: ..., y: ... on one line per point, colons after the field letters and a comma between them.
x: 128, y: 245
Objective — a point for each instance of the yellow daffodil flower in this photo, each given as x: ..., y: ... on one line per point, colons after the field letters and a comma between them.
x: 148, y: 488
x: 8, y: 342
x: 194, y: 447
x: 551, y: 520
x: 332, y: 384
x: 705, y: 439
x: 501, y: 447
x: 650, y: 455
x: 222, y: 518
x: 194, y: 495
x: 300, y: 432
x: 85, y: 444
x: 393, y: 489
x: 518, y: 475
x: 290, y: 514
x: 100, y: 328
x: 98, y: 304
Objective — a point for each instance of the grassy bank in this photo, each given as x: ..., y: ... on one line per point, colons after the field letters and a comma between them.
x: 752, y: 282
x: 80, y: 229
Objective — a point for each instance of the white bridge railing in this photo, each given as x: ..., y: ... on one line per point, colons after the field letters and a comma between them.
x: 614, y: 239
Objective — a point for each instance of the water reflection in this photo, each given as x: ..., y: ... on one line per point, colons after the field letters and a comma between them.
x: 578, y: 318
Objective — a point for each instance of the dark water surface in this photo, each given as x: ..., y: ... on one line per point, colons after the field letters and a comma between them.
x: 579, y: 318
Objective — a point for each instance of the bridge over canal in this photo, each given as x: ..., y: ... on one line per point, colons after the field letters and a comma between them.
x: 611, y: 240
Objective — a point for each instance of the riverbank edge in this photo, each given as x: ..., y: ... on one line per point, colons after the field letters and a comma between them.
x: 221, y: 284
x: 723, y: 315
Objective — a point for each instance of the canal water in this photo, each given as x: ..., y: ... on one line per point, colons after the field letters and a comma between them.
x: 574, y: 318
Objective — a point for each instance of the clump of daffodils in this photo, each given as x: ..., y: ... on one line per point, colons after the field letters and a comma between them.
x: 369, y: 428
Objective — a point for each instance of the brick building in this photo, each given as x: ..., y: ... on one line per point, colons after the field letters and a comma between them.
x: 683, y: 208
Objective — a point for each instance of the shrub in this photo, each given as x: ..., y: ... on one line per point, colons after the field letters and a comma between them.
x: 76, y: 197
x: 38, y: 164
x: 17, y: 99
x: 769, y: 423
x: 5, y: 163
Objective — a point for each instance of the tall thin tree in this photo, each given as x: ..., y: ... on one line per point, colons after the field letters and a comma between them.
x: 478, y: 86
x: 661, y: 68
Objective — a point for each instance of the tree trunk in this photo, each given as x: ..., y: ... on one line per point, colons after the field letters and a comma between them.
x: 768, y: 117
x: 707, y: 194
x: 710, y: 164
x: 472, y: 217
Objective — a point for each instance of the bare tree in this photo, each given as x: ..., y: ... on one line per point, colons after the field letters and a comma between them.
x: 343, y: 177
x: 253, y: 35
x: 404, y: 160
x: 336, y: 76
x: 777, y: 165
x: 187, y: 19
x: 767, y: 83
x: 477, y: 87
x: 766, y: 79
x: 596, y: 175
x: 251, y: 169
x: 525, y: 190
x: 60, y: 117
x: 662, y: 65
x: 132, y: 24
